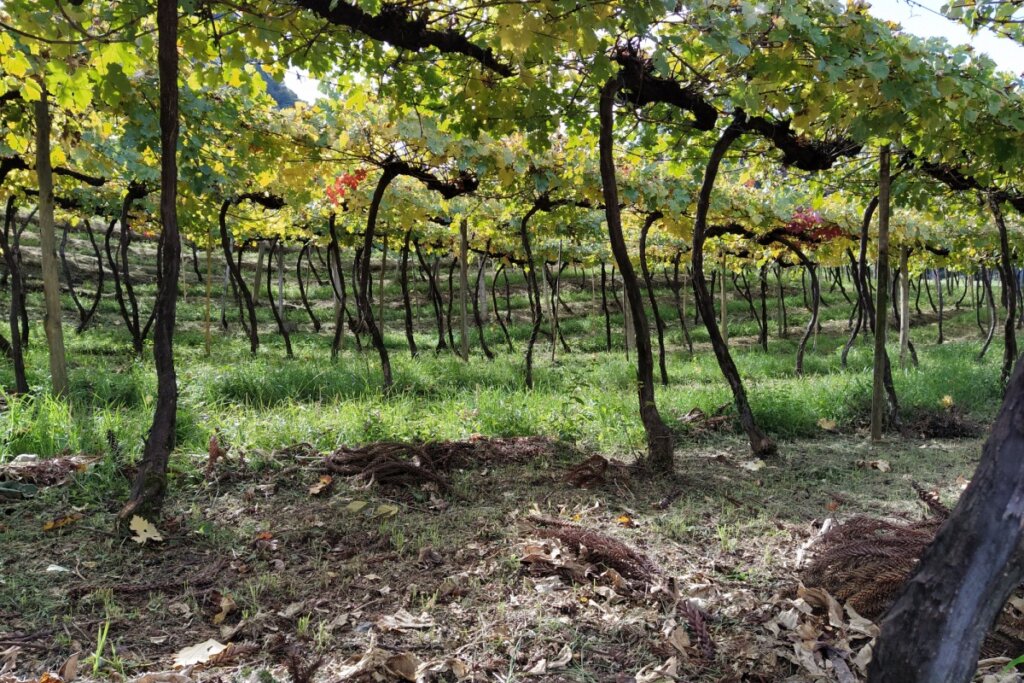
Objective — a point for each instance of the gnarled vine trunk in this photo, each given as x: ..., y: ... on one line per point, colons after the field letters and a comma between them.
x: 406, y: 302
x: 660, y: 444
x: 13, y: 261
x: 364, y: 276
x: 236, y: 277
x: 760, y: 444
x: 150, y: 485
x: 1010, y: 287
x: 659, y: 324
x: 275, y: 308
x: 934, y: 630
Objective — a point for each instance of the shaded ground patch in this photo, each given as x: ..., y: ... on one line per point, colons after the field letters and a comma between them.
x: 359, y: 574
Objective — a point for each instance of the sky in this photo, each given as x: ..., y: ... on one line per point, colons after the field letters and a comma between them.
x: 921, y: 17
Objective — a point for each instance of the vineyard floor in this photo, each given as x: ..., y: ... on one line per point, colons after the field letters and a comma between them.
x: 463, y: 575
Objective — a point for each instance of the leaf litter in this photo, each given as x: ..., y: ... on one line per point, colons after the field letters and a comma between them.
x: 509, y: 571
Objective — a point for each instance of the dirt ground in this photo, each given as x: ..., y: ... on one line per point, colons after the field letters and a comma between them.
x: 489, y: 560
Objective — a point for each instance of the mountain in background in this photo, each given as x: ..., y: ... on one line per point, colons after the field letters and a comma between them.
x: 281, y: 93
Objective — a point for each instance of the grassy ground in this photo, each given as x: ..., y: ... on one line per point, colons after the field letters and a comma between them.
x: 319, y: 574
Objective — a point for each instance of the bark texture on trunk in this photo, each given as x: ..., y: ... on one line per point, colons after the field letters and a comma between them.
x: 13, y: 261
x: 406, y: 302
x: 904, y: 308
x: 760, y: 444
x: 275, y: 308
x: 365, y: 305
x: 934, y: 630
x: 302, y: 285
x: 660, y: 445
x: 1010, y: 287
x: 881, y: 300
x: 533, y: 289
x: 236, y: 277
x: 463, y: 289
x: 659, y: 324
x: 52, y: 323
x: 150, y: 484
x: 497, y: 312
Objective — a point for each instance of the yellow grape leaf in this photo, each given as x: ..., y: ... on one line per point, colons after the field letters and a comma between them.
x: 386, y: 510
x: 144, y: 530
x: 356, y: 506
x: 947, y: 401
x: 57, y: 156
x: 16, y: 64
x: 59, y: 522
x: 18, y: 143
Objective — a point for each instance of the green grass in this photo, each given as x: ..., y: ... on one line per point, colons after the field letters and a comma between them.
x: 268, y: 401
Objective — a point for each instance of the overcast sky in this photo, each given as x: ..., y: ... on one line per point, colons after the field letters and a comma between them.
x: 917, y: 16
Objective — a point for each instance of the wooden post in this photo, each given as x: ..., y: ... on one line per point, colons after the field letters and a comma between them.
x: 554, y: 304
x: 280, y: 278
x: 380, y: 290
x: 261, y: 254
x: 881, y: 298
x: 627, y: 318
x: 48, y: 246
x: 481, y: 292
x: 209, y: 288
x: 226, y: 284
x: 904, y: 308
x: 463, y: 287
x: 725, y: 303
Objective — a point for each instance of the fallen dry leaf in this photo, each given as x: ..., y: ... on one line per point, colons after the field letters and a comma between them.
x: 880, y: 465
x: 859, y: 624
x: 322, y: 484
x: 662, y: 673
x: 227, y: 606
x: 143, y: 530
x: 403, y: 621
x: 820, y: 598
x: 59, y: 522
x: 69, y: 670
x: 404, y: 666
x: 562, y: 659
x: 162, y: 677
x: 200, y: 653
x: 677, y: 636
